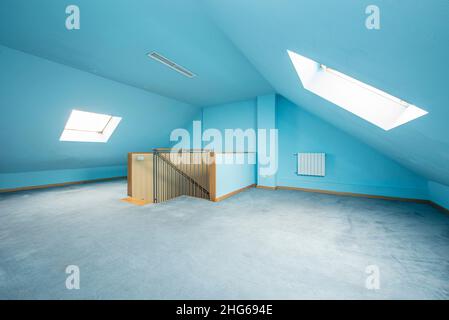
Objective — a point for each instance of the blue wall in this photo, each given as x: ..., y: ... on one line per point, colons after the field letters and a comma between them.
x: 38, y: 178
x: 191, y: 143
x: 234, y: 176
x: 439, y: 194
x: 238, y: 115
x: 36, y: 98
x: 266, y: 120
x: 351, y: 166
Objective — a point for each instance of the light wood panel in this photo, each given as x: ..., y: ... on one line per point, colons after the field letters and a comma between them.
x: 130, y: 174
x: 140, y: 181
x: 136, y: 201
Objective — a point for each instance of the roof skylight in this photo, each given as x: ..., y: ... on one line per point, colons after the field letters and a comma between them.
x: 89, y: 127
x: 361, y: 99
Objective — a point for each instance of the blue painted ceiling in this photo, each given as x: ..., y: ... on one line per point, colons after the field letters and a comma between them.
x: 238, y: 49
x: 407, y: 57
x: 115, y: 37
x: 37, y: 96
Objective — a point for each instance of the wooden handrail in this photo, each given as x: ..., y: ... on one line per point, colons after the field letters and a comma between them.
x: 173, y: 150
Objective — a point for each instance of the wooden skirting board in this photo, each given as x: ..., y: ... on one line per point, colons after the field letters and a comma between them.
x: 55, y: 185
x: 350, y: 194
x: 359, y: 195
x: 337, y: 193
x: 437, y: 206
x: 266, y: 187
x: 233, y: 193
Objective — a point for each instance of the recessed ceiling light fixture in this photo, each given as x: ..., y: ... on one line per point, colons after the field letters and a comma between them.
x: 160, y: 58
x: 373, y: 105
x: 89, y: 127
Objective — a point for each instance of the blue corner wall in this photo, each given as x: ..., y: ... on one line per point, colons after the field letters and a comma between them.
x: 36, y: 98
x: 239, y: 115
x: 232, y: 176
x: 351, y: 166
x: 266, y: 121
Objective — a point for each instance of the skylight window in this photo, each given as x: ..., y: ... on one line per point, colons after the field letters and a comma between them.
x: 89, y: 127
x: 361, y: 99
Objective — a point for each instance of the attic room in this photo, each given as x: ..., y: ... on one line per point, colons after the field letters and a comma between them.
x: 224, y: 150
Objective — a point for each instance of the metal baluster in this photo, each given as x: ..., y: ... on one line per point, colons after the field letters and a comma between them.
x: 190, y: 170
x: 163, y: 180
x: 169, y: 172
x: 155, y: 177
x: 166, y: 181
x: 195, y: 189
x: 171, y: 183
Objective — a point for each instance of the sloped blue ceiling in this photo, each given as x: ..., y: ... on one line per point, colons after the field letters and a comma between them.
x: 237, y: 48
x: 37, y: 96
x: 407, y: 57
x: 115, y: 37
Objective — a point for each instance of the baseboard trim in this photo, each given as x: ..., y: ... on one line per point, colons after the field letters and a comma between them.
x: 218, y: 199
x: 63, y: 184
x: 351, y: 194
x: 266, y: 187
x: 359, y: 195
x: 437, y: 206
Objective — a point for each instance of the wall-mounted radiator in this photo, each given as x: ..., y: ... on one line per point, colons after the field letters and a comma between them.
x: 312, y: 164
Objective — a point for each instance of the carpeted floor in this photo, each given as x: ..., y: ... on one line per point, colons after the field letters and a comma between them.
x: 259, y: 244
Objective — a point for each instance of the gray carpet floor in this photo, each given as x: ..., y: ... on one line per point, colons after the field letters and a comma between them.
x: 259, y: 244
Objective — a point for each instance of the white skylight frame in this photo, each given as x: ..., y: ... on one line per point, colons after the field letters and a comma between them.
x: 361, y: 99
x: 85, y: 126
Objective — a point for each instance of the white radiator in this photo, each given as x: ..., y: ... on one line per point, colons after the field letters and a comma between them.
x: 312, y: 164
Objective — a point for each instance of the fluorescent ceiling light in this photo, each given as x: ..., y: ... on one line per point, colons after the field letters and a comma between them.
x: 361, y: 99
x: 89, y: 127
x: 169, y: 63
